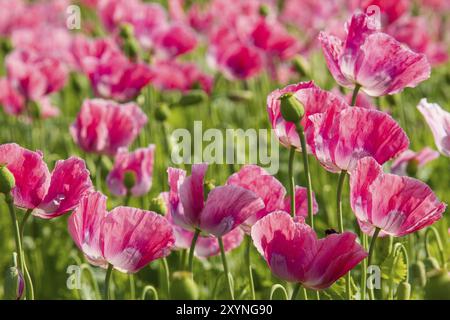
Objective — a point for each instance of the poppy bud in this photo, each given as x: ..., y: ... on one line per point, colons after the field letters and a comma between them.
x: 291, y: 109
x: 157, y: 205
x: 431, y: 263
x: 418, y: 273
x: 240, y: 95
x: 301, y: 65
x: 264, y: 10
x: 438, y: 285
x: 14, y: 282
x: 7, y: 180
x: 183, y: 286
x: 207, y: 187
x: 126, y: 31
x: 411, y: 168
x: 131, y: 48
x: 162, y: 112
x: 129, y: 179
x: 404, y: 291
x: 193, y: 97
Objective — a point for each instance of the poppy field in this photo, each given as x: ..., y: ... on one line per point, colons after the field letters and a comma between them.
x: 224, y: 150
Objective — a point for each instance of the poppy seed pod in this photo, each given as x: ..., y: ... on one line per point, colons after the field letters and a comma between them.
x: 129, y: 179
x: 438, y: 285
x: 183, y: 286
x: 7, y: 180
x: 292, y: 110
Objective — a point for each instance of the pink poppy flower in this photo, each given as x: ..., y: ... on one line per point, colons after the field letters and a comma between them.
x: 418, y: 159
x: 439, y: 122
x: 206, y: 246
x: 225, y: 208
x: 104, y: 126
x: 390, y: 10
x: 48, y: 195
x: 314, y: 100
x: 339, y: 140
x: 125, y: 237
x: 35, y: 75
x: 295, y: 254
x: 271, y: 192
x: 140, y: 163
x: 374, y: 60
x: 417, y: 33
x: 397, y: 205
x: 176, y: 75
x: 175, y: 39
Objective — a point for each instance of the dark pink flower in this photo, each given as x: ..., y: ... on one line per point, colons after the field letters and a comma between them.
x: 339, y: 140
x: 175, y: 39
x: 48, y: 195
x: 127, y: 238
x: 139, y: 163
x: 104, y: 126
x: 374, y: 60
x: 314, y: 99
x: 225, y: 207
x: 293, y: 252
x: 439, y: 122
x: 176, y: 75
x: 397, y: 205
x: 30, y: 172
x: 35, y: 75
x: 271, y: 192
x: 417, y: 159
x: 390, y: 10
x: 69, y: 182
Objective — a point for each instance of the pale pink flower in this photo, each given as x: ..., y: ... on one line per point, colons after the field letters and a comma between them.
x: 397, y: 205
x: 104, y: 126
x: 339, y: 140
x: 419, y: 159
x: 48, y: 195
x: 225, y: 208
x: 314, y: 100
x: 128, y: 238
x: 439, y: 122
x: 295, y: 254
x: 374, y: 60
x: 271, y: 192
x: 140, y: 163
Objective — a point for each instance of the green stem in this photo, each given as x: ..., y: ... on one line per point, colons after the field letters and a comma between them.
x: 364, y: 268
x: 127, y: 199
x: 340, y: 188
x: 192, y: 250
x: 291, y: 180
x: 98, y: 173
x: 301, y: 134
x: 277, y: 287
x: 355, y: 94
x: 108, y: 281
x: 249, y: 266
x: 296, y: 290
x: 432, y: 230
x: 132, y: 286
x: 16, y: 230
x: 225, y: 267
x: 370, y: 257
x: 166, y: 276
x: 28, y: 280
x: 149, y: 289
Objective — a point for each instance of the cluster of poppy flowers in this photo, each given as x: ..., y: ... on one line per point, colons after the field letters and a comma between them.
x: 346, y: 137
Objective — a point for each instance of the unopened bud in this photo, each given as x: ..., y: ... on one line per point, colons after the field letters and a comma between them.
x: 264, y: 10
x: 301, y: 65
x: 419, y: 273
x: 7, y: 181
x: 183, y: 286
x: 291, y: 109
x: 162, y: 112
x: 126, y: 31
x: 404, y: 291
x: 240, y: 95
x: 193, y: 97
x: 14, y: 282
x: 438, y: 285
